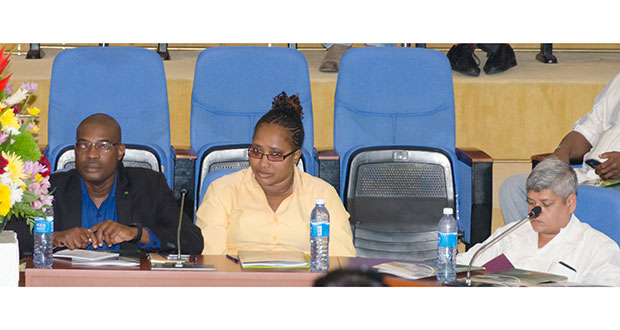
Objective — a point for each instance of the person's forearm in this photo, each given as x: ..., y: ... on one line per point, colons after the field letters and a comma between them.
x: 573, y: 147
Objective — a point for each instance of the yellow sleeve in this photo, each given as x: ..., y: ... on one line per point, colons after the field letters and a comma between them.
x: 341, y: 239
x: 212, y: 219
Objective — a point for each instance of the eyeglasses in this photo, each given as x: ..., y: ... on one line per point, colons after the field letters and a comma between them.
x: 101, y: 146
x: 274, y: 157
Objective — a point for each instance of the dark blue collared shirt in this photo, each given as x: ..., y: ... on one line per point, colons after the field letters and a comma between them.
x: 91, y: 215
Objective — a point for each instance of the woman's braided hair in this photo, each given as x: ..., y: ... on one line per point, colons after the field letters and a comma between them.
x: 286, y: 111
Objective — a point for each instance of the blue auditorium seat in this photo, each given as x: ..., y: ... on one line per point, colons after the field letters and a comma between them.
x: 233, y: 88
x: 126, y: 83
x: 394, y: 131
x: 600, y: 208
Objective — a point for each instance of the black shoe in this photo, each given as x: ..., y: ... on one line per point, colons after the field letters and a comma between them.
x: 462, y: 60
x: 500, y: 61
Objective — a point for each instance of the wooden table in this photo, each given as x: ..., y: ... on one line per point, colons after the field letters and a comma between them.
x: 228, y: 274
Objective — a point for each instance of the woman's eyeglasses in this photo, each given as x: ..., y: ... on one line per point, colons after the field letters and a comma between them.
x: 273, y: 157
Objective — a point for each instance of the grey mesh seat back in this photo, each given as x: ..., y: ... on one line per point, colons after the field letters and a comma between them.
x: 134, y: 157
x: 395, y: 198
x: 226, y: 158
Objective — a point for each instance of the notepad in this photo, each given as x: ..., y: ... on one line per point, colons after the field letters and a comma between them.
x: 273, y: 259
x: 86, y: 255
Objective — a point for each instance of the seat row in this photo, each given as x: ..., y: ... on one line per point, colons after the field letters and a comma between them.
x: 395, y: 164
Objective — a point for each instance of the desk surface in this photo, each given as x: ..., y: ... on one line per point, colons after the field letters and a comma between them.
x: 228, y: 274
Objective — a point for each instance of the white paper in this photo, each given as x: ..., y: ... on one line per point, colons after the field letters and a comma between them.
x: 86, y: 255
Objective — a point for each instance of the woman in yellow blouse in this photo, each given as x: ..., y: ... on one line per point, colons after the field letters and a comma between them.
x: 267, y: 207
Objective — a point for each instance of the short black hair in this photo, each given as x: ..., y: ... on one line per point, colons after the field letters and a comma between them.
x: 351, y: 278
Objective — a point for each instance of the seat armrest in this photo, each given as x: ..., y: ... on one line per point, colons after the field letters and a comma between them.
x: 473, y: 155
x: 540, y: 157
x: 185, y: 154
x: 481, y: 165
x: 329, y: 168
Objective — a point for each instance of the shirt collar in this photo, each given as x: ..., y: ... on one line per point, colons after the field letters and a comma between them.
x: 112, y: 193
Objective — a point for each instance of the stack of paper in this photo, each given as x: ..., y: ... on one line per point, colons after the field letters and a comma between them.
x: 94, y: 258
x: 85, y: 255
x: 273, y: 259
x: 412, y: 271
x: 519, y: 277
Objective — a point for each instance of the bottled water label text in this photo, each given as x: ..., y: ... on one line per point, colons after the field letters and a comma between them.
x: 319, y: 230
x: 43, y: 226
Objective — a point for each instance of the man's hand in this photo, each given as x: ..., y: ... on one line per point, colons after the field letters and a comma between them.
x: 75, y: 238
x: 609, y: 169
x: 112, y: 232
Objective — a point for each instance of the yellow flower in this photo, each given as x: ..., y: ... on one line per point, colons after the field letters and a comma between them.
x: 33, y: 111
x: 5, y: 201
x: 2, y: 105
x: 33, y: 129
x: 8, y: 119
x: 15, y: 166
x: 38, y: 177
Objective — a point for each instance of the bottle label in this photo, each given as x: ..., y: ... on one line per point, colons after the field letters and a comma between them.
x: 447, y: 240
x: 43, y: 225
x: 319, y: 230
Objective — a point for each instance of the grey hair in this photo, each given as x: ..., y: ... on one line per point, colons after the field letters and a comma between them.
x: 553, y: 174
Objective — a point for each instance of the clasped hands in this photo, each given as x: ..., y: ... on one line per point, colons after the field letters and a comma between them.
x: 109, y: 232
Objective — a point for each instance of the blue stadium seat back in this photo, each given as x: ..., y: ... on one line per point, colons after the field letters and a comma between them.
x: 233, y: 88
x: 127, y: 83
x: 600, y: 208
x: 400, y: 99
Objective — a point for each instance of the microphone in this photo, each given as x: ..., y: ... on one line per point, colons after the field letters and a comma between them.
x: 533, y: 214
x: 181, y: 261
x: 183, y: 193
x: 180, y: 258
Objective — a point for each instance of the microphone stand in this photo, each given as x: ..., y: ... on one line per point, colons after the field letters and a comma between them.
x: 534, y: 213
x: 180, y: 259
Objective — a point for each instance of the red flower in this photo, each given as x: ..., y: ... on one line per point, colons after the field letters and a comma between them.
x: 3, y: 164
x: 45, y: 162
x: 4, y: 61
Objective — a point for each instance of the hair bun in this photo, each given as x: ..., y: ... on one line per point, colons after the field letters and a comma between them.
x: 287, y: 103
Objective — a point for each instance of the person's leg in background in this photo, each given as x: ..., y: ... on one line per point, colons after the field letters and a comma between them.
x: 513, y: 198
x: 331, y: 61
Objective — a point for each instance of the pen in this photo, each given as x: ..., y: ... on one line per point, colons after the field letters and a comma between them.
x: 567, y: 266
x: 232, y: 258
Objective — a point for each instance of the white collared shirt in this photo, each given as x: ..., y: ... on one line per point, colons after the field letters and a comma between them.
x: 601, y: 126
x: 594, y: 256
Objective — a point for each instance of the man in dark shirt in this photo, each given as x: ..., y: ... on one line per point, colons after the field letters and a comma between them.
x: 103, y: 205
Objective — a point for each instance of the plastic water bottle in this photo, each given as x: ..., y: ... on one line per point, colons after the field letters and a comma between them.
x: 446, y: 247
x: 319, y: 237
x: 44, y: 240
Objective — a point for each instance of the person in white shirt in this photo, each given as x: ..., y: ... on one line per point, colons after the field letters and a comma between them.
x: 555, y: 241
x: 596, y: 135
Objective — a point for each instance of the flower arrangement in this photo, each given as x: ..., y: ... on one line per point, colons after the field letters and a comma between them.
x: 24, y: 171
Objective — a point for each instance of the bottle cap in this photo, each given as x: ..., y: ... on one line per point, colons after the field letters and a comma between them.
x: 447, y: 210
x: 320, y: 201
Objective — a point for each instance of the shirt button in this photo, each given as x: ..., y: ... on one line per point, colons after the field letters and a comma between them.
x: 275, y: 237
